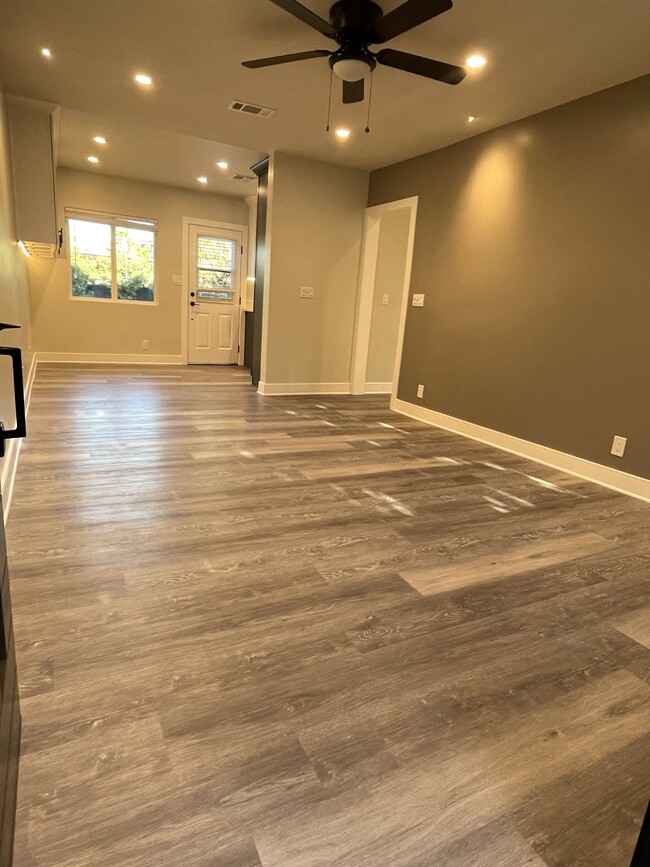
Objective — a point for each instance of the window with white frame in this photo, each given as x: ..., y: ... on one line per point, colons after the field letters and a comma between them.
x: 111, y: 257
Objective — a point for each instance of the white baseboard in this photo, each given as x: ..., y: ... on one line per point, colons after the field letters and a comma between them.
x: 278, y: 388
x: 607, y: 477
x: 10, y: 462
x: 378, y: 388
x: 105, y: 358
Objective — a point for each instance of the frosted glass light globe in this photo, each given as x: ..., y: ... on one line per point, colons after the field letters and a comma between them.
x: 350, y: 69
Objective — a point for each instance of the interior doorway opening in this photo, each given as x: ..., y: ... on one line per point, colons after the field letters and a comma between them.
x: 383, y: 296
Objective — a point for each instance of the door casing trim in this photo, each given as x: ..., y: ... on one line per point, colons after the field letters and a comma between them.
x: 210, y: 224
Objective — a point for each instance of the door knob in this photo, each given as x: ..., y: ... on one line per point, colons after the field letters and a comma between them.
x: 192, y: 303
x: 192, y: 294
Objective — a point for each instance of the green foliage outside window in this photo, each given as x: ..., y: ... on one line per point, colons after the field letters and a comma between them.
x: 92, y: 265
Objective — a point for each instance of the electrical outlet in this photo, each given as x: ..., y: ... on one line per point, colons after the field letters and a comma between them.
x: 145, y: 344
x: 384, y: 300
x: 418, y: 301
x: 618, y: 446
x: 177, y: 280
x: 420, y: 391
x: 306, y: 291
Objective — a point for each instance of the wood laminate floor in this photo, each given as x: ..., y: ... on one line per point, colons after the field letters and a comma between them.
x: 304, y: 631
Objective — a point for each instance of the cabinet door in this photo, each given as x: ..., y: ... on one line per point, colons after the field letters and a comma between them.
x: 9, y: 714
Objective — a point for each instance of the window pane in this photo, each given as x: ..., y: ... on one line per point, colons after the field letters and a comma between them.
x: 134, y: 259
x: 214, y: 279
x: 90, y: 259
x: 215, y: 263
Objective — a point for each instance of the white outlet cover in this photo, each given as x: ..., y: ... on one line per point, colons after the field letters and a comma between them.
x: 418, y: 301
x: 177, y: 280
x: 618, y: 446
x: 384, y: 300
x: 306, y: 291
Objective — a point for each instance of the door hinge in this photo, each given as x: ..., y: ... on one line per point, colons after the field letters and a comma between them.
x: 238, y: 349
x: 241, y: 250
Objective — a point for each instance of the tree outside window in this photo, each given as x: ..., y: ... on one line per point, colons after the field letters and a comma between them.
x: 110, y: 261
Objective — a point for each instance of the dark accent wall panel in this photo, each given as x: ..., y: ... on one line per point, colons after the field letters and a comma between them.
x: 531, y: 250
x: 262, y: 172
x: 9, y: 716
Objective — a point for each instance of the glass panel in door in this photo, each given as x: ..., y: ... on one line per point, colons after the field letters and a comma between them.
x: 215, y: 264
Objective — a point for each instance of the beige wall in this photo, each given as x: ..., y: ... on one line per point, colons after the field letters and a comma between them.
x: 389, y: 280
x: 14, y: 299
x: 316, y: 225
x: 62, y: 324
x: 531, y: 247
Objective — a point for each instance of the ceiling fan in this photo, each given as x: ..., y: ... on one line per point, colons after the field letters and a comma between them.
x: 357, y: 24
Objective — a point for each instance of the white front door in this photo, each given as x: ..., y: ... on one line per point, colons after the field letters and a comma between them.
x: 213, y: 295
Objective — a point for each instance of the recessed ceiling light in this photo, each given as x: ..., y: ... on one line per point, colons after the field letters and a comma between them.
x: 476, y: 61
x: 202, y: 179
x: 99, y: 139
x: 343, y: 133
x: 144, y: 80
x: 93, y: 160
x: 222, y: 164
x: 471, y: 119
x: 46, y: 53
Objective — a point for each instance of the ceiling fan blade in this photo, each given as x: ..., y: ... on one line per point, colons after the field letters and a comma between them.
x: 407, y: 16
x: 353, y: 91
x: 285, y: 58
x: 306, y: 16
x: 435, y: 69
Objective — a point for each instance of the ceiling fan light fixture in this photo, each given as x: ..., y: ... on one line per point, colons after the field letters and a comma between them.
x: 351, y: 69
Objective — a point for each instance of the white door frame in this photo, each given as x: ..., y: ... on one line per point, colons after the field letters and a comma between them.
x: 212, y: 225
x: 365, y: 293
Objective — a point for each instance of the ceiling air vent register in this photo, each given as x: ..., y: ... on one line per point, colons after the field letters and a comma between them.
x: 247, y: 179
x: 249, y: 108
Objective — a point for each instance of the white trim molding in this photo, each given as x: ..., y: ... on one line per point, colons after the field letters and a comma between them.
x: 105, y: 358
x: 10, y: 461
x: 378, y: 388
x: 278, y: 388
x: 186, y: 223
x: 606, y: 477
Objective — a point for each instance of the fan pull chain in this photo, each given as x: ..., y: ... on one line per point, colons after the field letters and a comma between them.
x: 329, y: 102
x: 372, y: 77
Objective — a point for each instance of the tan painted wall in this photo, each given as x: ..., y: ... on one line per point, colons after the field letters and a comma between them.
x: 14, y: 296
x: 389, y: 280
x: 531, y: 247
x: 317, y: 213
x: 63, y: 324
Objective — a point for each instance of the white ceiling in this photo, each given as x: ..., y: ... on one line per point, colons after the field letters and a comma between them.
x: 135, y: 151
x: 541, y: 53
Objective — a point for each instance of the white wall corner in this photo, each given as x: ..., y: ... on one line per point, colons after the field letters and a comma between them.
x: 606, y: 477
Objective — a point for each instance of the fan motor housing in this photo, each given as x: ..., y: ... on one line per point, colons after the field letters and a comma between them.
x: 355, y: 21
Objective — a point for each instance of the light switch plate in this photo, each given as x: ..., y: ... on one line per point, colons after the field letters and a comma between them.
x: 418, y: 301
x: 420, y: 391
x: 306, y: 291
x: 384, y: 300
x: 177, y: 280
